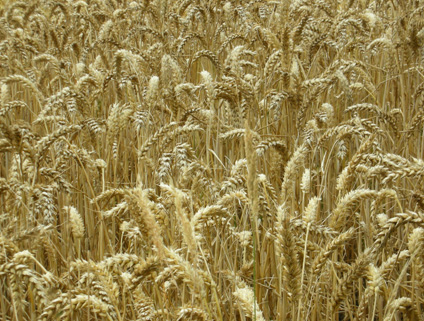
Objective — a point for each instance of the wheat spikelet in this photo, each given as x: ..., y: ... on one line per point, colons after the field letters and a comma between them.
x: 347, y: 203
x: 44, y: 143
x: 76, y: 222
x: 143, y: 270
x: 89, y: 282
x: 187, y: 227
x: 181, y: 270
x: 357, y: 270
x: 192, y: 312
x: 415, y: 122
x: 286, y: 242
x: 387, y: 266
x: 245, y: 299
x: 272, y: 62
x: 170, y: 71
x: 345, y: 178
x: 401, y: 304
x: 117, y: 120
x: 212, y: 57
x: 203, y: 215
x: 374, y: 109
x: 391, y: 225
x: 310, y: 212
x: 107, y: 195
x: 27, y: 83
x: 138, y: 202
x: 154, y: 138
x: 77, y: 302
x: 290, y: 171
x: 375, y: 288
x: 11, y: 106
x: 181, y: 130
x: 416, y: 239
x: 321, y: 259
x: 264, y: 145
x: 8, y: 247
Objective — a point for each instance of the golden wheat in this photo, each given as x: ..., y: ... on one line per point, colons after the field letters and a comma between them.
x: 211, y: 160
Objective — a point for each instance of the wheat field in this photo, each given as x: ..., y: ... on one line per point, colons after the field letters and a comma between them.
x: 212, y: 160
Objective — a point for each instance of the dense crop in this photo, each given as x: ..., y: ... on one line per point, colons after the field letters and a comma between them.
x: 211, y: 160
